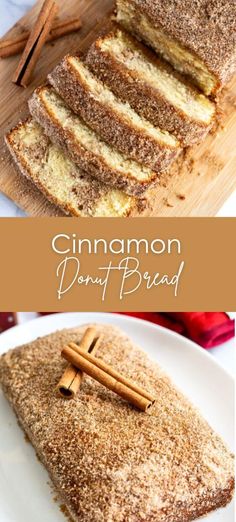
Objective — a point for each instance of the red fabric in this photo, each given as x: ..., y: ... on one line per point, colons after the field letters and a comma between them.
x: 7, y: 320
x: 205, y: 328
x: 47, y: 313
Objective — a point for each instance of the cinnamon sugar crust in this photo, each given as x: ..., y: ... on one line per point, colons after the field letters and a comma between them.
x: 125, y: 174
x: 60, y: 180
x: 110, y: 118
x: 107, y: 460
x: 206, y: 28
x: 143, y: 94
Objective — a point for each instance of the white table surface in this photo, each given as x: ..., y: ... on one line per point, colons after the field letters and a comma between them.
x: 224, y: 353
x: 10, y: 12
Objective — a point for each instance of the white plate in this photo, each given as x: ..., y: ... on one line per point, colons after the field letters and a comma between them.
x: 25, y: 494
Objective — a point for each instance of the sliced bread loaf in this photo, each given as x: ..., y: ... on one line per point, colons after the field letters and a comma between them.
x: 151, y: 87
x: 196, y: 37
x: 85, y: 147
x: 116, y: 122
x: 60, y: 180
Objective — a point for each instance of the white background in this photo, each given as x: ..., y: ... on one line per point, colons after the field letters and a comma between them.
x: 10, y: 12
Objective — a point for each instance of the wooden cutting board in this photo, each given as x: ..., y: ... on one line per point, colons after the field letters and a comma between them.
x: 199, y: 182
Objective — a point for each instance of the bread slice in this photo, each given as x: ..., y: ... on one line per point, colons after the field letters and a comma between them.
x: 151, y: 87
x: 116, y: 122
x: 197, y: 38
x: 85, y: 147
x: 60, y: 180
x: 108, y: 461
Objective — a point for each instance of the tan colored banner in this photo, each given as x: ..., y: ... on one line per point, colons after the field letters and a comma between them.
x: 117, y: 265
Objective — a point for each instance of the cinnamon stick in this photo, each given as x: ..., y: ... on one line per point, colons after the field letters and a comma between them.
x: 71, y: 379
x: 35, y: 43
x: 106, y: 375
x: 15, y: 45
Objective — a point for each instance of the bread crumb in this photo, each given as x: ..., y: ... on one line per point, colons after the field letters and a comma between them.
x: 167, y: 202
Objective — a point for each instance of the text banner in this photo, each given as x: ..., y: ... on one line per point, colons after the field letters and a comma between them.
x: 134, y: 264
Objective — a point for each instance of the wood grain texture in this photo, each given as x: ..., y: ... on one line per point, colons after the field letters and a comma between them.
x: 199, y: 182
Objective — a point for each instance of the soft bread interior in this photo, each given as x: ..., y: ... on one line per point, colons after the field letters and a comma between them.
x: 182, y: 59
x: 101, y: 93
x: 113, y: 204
x: 61, y: 179
x: 189, y: 101
x: 89, y: 139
